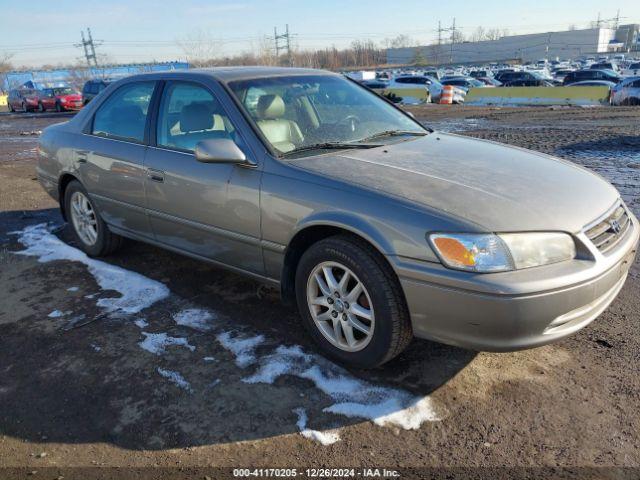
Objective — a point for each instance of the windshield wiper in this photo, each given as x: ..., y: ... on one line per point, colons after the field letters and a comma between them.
x: 394, y: 133
x: 328, y: 146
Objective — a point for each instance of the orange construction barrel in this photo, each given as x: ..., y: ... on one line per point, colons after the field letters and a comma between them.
x: 446, y: 98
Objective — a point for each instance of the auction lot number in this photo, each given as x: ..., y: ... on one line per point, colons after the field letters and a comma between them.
x: 316, y: 472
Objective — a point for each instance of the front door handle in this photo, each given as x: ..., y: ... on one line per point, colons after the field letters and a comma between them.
x: 81, y: 157
x: 155, y: 175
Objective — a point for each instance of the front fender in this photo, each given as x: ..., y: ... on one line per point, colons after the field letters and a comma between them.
x: 356, y: 224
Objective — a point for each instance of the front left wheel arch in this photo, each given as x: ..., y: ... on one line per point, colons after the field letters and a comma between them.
x: 313, y: 232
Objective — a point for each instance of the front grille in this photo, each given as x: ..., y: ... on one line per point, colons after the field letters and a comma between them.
x: 606, y: 234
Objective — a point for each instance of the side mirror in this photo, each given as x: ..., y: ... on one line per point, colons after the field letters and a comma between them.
x: 220, y: 150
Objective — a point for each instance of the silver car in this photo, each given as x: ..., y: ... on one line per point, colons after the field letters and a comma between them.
x: 377, y: 228
x: 627, y: 92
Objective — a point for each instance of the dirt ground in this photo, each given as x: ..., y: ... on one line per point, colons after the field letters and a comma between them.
x: 80, y: 397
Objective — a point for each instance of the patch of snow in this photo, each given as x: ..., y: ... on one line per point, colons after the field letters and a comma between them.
x: 175, y: 378
x: 214, y: 383
x: 56, y: 314
x: 196, y: 318
x: 96, y: 347
x: 209, y: 359
x: 73, y: 289
x: 141, y: 323
x: 385, y: 406
x: 137, y: 291
x: 325, y: 438
x: 157, y: 343
x: 242, y: 347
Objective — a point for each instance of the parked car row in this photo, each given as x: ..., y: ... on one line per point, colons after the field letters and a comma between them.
x: 63, y: 98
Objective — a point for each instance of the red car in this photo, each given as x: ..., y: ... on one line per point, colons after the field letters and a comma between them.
x: 59, y: 99
x: 22, y: 100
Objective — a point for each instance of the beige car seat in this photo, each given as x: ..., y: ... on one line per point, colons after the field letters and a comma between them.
x: 283, y: 134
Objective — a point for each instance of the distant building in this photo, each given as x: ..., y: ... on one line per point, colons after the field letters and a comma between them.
x: 568, y: 44
x: 40, y: 78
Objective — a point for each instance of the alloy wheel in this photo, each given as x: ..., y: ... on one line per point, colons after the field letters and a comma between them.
x: 84, y: 218
x: 340, y: 306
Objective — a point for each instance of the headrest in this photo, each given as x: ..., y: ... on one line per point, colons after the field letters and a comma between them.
x: 195, y: 117
x: 270, y: 107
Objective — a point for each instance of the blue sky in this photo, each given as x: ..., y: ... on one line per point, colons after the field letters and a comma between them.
x: 144, y: 30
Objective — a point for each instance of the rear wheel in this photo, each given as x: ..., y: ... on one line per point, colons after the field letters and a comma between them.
x: 40, y: 107
x: 91, y: 232
x: 11, y: 109
x: 351, y: 302
x: 25, y: 108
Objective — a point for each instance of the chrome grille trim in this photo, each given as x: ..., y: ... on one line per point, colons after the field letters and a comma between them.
x: 607, y: 232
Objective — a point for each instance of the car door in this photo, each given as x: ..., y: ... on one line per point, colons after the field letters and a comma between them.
x: 110, y: 157
x: 48, y: 99
x: 208, y: 209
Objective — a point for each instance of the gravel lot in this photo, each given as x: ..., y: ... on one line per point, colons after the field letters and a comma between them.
x: 182, y: 383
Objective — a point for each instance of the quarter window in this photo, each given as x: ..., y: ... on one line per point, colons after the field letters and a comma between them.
x: 189, y: 114
x: 124, y: 114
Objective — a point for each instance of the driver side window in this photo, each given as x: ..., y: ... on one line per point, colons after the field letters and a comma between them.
x: 189, y: 113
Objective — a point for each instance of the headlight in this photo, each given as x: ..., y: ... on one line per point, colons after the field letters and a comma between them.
x: 63, y: 100
x: 503, y: 252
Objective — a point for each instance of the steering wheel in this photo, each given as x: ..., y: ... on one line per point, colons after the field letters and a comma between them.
x: 351, y: 122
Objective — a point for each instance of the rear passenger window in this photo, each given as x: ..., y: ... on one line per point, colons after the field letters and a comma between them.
x: 124, y: 114
x: 189, y: 114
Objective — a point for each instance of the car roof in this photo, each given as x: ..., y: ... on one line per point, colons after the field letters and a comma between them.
x: 231, y: 74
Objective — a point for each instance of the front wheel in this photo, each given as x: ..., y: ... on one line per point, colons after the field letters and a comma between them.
x: 90, y: 231
x: 40, y: 107
x: 58, y: 107
x: 351, y: 302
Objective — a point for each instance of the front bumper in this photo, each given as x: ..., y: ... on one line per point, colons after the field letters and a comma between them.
x: 513, y: 310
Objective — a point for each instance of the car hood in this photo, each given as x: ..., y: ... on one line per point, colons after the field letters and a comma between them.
x: 72, y: 97
x: 498, y: 187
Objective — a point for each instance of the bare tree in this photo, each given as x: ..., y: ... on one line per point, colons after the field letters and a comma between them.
x: 478, y: 35
x: 201, y: 48
x: 5, y: 66
x: 401, y: 41
x: 496, y: 33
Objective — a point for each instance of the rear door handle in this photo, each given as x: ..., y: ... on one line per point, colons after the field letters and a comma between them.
x: 155, y: 175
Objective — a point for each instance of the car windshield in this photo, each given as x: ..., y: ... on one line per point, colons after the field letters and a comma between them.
x: 63, y: 91
x: 305, y: 112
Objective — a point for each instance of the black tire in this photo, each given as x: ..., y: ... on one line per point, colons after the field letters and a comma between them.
x: 41, y: 108
x: 392, y: 332
x: 25, y: 108
x: 107, y: 242
x: 58, y: 107
x: 11, y: 109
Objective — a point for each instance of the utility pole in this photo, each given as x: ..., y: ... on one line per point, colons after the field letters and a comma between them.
x: 440, y: 30
x: 286, y: 37
x: 275, y: 39
x: 453, y: 38
x: 89, y: 46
